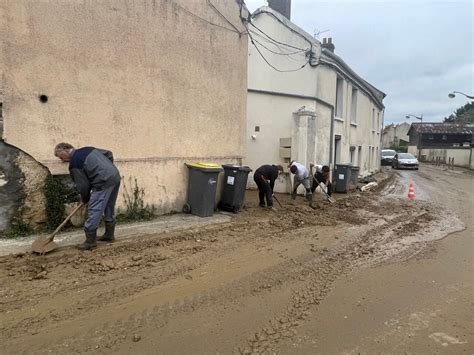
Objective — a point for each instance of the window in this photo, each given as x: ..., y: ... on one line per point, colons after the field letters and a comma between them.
x: 378, y: 121
x: 369, y: 157
x: 352, y: 154
x: 359, y: 155
x: 430, y: 137
x: 373, y: 119
x: 339, y: 96
x: 354, y: 106
x: 444, y: 137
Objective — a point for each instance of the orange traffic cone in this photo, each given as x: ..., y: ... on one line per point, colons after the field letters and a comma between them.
x: 411, y: 191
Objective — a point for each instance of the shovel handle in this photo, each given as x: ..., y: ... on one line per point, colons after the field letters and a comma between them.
x: 266, y: 183
x: 319, y: 184
x: 51, y: 237
x: 274, y: 197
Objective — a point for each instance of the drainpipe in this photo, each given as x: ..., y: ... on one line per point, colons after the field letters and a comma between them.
x: 379, y: 158
x: 470, y: 156
x: 331, y: 140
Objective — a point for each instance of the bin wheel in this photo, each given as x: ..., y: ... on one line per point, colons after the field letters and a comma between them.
x: 186, y: 208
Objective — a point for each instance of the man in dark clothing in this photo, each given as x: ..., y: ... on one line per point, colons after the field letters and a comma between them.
x: 98, y: 182
x: 322, y: 176
x: 265, y: 177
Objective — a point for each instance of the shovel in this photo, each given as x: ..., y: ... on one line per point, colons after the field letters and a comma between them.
x: 44, y: 244
x: 320, y: 184
x: 275, y: 198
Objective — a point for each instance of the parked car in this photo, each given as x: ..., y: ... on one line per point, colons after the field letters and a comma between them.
x: 405, y: 160
x: 387, y: 156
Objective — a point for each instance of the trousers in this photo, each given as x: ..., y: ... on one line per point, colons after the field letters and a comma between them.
x: 101, y: 204
x: 264, y: 190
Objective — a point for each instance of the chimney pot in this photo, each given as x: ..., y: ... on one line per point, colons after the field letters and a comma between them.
x: 327, y: 43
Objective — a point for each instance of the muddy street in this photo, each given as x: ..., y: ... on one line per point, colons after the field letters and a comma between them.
x: 372, y: 273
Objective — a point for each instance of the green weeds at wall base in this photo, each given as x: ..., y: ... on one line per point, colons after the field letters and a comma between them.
x: 57, y: 194
x: 135, y: 207
x: 18, y: 228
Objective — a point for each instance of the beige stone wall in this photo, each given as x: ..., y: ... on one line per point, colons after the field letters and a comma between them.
x: 145, y: 79
x: 33, y: 210
x: 462, y: 156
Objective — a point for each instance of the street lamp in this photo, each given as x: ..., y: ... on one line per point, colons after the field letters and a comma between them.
x: 452, y: 95
x: 420, y: 134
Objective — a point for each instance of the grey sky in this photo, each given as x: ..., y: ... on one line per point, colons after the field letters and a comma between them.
x: 415, y: 51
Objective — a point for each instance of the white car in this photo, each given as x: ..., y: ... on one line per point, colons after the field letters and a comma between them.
x: 405, y: 160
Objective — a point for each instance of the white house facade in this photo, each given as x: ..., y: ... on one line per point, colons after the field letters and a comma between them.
x: 305, y: 103
x: 395, y: 135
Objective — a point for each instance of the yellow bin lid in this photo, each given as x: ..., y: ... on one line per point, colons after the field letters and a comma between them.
x: 204, y: 166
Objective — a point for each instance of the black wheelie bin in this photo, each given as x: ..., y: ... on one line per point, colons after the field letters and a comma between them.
x: 235, y: 183
x: 202, y: 187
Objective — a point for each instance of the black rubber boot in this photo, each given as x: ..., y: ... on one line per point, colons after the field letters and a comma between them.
x: 90, y: 242
x: 293, y: 194
x: 109, y: 235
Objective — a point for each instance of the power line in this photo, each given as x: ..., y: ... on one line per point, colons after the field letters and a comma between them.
x: 272, y: 66
x: 274, y: 40
x: 221, y: 15
x: 290, y: 28
x: 204, y: 20
x: 283, y: 49
x: 275, y: 52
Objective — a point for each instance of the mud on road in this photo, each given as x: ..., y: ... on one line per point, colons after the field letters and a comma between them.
x: 240, y: 287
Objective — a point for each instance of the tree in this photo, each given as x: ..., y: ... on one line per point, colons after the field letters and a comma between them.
x: 464, y: 114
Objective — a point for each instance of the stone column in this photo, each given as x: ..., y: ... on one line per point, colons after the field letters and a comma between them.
x: 303, y: 146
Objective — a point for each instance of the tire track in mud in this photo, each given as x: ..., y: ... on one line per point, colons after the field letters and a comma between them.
x: 96, y: 263
x: 364, y: 251
x: 311, y: 274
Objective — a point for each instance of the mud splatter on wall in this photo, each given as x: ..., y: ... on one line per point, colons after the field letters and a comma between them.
x: 21, y: 187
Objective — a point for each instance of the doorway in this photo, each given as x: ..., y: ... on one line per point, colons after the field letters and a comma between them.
x: 337, y: 149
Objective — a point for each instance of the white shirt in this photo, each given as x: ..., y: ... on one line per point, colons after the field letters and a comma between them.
x: 301, y: 172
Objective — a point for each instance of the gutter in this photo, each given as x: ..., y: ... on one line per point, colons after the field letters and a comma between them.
x: 341, y: 66
x: 307, y: 97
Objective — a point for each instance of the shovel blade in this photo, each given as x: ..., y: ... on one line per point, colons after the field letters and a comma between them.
x: 43, y: 245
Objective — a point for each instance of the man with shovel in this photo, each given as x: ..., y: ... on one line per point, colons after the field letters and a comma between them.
x: 302, y: 177
x: 265, y: 177
x: 321, y: 177
x: 98, y: 182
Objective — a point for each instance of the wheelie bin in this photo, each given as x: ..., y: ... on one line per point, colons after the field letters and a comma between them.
x: 354, y: 176
x: 202, y: 187
x: 235, y: 183
x: 342, y: 174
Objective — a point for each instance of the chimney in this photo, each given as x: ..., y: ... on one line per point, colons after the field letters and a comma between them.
x: 281, y: 6
x: 327, y: 43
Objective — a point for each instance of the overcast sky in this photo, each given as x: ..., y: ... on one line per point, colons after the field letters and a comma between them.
x: 416, y: 51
